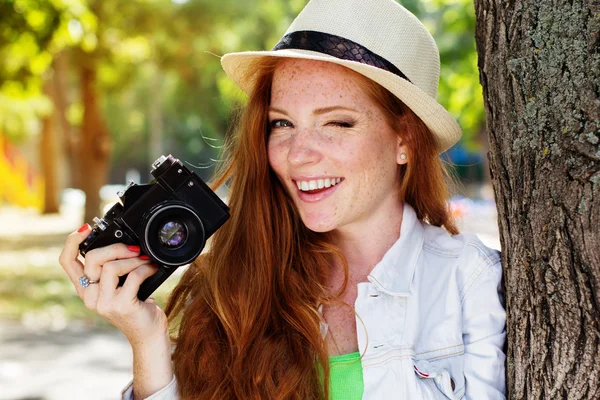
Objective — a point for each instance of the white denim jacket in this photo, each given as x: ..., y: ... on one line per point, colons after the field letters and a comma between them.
x: 432, y: 320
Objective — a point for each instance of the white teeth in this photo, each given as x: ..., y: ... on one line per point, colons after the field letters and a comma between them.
x: 317, y: 184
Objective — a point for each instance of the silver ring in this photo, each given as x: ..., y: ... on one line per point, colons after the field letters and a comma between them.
x: 84, y: 281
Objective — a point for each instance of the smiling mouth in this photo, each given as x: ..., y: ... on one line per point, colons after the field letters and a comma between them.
x: 317, y: 185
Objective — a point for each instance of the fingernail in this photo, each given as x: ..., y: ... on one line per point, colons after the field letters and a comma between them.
x: 135, y: 249
x: 144, y: 257
x: 84, y: 228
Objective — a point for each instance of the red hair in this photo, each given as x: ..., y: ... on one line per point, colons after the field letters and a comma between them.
x: 246, y: 313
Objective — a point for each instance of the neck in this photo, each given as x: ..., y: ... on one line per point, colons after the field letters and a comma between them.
x: 365, y: 243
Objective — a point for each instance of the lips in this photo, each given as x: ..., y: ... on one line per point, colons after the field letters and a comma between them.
x: 315, y: 191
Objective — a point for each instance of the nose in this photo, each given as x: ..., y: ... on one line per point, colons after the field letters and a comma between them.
x: 303, y: 149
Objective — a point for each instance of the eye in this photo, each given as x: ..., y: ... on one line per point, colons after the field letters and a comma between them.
x: 280, y: 123
x: 341, y: 124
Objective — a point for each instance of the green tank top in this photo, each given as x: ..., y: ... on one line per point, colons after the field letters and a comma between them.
x: 346, y: 377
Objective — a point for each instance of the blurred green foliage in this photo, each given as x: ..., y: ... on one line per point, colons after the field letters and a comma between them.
x: 452, y: 24
x: 32, y: 32
x: 158, y: 60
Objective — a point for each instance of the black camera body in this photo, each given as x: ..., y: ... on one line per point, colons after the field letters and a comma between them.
x: 170, y: 218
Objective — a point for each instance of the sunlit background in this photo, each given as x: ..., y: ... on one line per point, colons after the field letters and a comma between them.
x: 91, y: 93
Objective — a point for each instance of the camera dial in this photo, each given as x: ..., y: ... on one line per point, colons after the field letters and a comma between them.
x: 158, y: 162
x: 100, y: 223
x: 121, y: 193
x: 162, y: 164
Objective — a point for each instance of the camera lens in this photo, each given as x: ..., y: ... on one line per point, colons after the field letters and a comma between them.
x: 172, y: 234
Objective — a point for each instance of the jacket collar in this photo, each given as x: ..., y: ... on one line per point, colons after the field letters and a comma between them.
x: 394, y: 273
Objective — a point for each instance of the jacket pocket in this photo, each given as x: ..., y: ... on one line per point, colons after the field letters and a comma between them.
x: 438, y: 381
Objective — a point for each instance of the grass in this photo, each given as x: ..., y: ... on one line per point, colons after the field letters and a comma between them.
x: 44, y: 296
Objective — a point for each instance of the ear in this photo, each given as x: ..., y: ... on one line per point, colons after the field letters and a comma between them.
x: 401, y: 153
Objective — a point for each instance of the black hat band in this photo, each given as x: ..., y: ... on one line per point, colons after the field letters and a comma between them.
x: 336, y: 46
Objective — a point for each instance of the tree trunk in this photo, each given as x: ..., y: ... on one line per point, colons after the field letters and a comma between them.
x: 539, y: 66
x: 70, y: 140
x: 95, y: 144
x: 156, y: 116
x: 48, y: 157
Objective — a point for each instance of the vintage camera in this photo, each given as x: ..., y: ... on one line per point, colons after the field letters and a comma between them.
x: 170, y: 219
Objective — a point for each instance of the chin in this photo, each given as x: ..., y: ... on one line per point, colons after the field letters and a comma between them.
x: 318, y: 225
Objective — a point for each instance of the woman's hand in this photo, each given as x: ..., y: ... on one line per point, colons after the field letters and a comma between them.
x: 141, y: 322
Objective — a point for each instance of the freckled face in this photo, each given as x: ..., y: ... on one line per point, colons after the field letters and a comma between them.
x: 331, y: 146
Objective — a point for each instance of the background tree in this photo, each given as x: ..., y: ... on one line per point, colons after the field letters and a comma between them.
x: 540, y: 71
x: 119, y: 44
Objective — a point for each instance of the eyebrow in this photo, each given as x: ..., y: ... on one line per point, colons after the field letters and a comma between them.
x: 318, y: 111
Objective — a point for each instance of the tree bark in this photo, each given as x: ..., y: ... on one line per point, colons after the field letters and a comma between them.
x: 539, y: 64
x: 95, y: 144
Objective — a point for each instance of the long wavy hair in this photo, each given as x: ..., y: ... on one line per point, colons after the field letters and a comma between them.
x: 244, y: 317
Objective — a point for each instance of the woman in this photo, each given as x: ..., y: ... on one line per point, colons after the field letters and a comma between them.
x: 340, y: 272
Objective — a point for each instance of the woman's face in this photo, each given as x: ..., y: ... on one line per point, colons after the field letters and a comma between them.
x: 331, y: 146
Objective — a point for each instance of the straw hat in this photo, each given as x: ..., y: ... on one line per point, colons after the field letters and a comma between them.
x: 379, y: 39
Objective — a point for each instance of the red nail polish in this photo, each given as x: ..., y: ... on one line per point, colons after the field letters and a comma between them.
x: 144, y: 257
x: 135, y: 249
x: 83, y: 228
